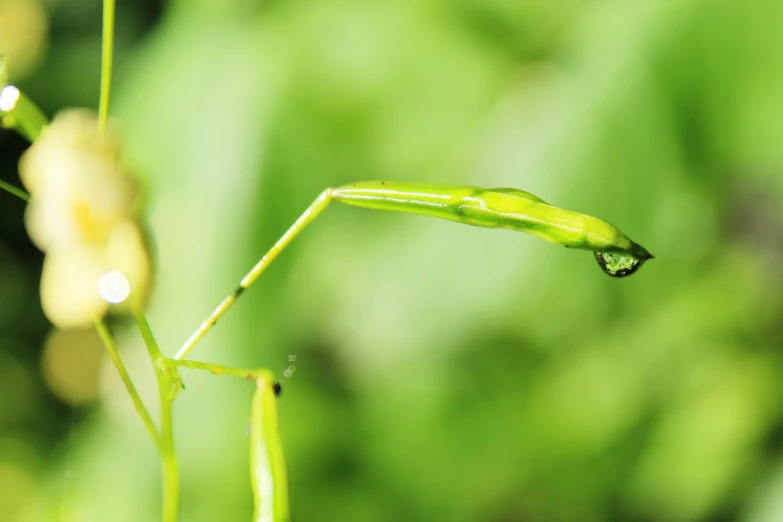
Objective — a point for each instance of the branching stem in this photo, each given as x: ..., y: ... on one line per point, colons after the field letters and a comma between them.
x: 168, y: 386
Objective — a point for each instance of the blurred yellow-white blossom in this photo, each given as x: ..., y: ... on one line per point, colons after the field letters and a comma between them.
x: 82, y: 214
x: 80, y: 192
x: 23, y: 36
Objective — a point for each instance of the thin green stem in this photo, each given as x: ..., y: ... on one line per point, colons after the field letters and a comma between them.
x: 27, y: 119
x: 149, y: 339
x: 107, y: 54
x: 170, y: 464
x: 217, y: 369
x: 111, y: 347
x: 312, y: 212
x: 13, y: 189
x: 168, y: 386
x: 20, y: 113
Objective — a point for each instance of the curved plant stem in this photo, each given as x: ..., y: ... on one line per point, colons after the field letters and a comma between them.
x: 21, y: 114
x: 111, y: 347
x: 107, y: 53
x: 13, y: 189
x: 28, y: 120
x: 168, y: 386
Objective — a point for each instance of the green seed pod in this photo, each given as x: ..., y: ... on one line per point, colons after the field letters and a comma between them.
x: 502, y: 208
x: 513, y: 209
x: 268, y: 474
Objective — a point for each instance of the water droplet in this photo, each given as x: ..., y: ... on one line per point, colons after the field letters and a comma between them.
x: 288, y: 372
x: 617, y: 265
x: 292, y: 358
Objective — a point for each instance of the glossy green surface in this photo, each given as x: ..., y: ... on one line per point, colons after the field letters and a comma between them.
x: 267, y: 465
x: 493, y: 208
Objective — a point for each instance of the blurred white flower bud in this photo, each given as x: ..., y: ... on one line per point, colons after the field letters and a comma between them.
x: 70, y: 285
x: 23, y: 35
x: 79, y: 192
x: 82, y: 214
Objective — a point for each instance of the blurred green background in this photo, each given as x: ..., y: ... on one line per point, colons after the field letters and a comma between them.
x: 442, y: 372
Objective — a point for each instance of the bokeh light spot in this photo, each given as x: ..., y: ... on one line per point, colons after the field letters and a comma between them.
x: 9, y: 97
x: 114, y: 287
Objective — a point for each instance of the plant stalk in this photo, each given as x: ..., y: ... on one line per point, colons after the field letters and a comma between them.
x: 168, y: 386
x: 107, y: 56
x: 111, y: 347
